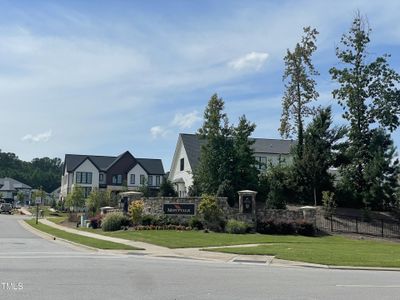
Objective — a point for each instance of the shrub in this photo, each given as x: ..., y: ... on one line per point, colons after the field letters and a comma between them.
x: 284, y: 227
x: 149, y: 220
x: 167, y: 189
x: 234, y: 226
x: 95, y: 222
x: 211, y: 213
x: 136, y: 209
x: 196, y: 223
x: 164, y: 227
x: 329, y: 203
x: 305, y: 228
x: 114, y: 221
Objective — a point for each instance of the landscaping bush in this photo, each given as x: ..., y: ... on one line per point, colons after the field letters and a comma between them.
x: 149, y: 220
x: 211, y: 213
x: 164, y: 227
x: 136, y: 209
x: 329, y: 203
x: 305, y: 228
x: 237, y: 227
x: 284, y: 227
x: 114, y: 221
x: 196, y: 223
x: 95, y: 222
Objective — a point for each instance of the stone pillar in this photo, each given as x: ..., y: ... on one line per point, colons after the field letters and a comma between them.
x: 247, y: 202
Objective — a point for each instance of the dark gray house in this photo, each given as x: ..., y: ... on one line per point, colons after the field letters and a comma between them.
x: 110, y: 172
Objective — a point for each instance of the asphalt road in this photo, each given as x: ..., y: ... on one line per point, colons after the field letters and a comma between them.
x: 35, y: 268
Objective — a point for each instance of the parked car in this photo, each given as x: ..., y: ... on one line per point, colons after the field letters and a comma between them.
x: 5, y: 208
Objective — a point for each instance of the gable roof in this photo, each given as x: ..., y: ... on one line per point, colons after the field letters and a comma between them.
x: 193, y: 143
x: 10, y: 184
x: 151, y: 166
x: 103, y: 163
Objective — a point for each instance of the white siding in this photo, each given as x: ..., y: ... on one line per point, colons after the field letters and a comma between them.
x: 88, y: 166
x: 137, y: 170
x: 66, y: 182
x: 176, y: 173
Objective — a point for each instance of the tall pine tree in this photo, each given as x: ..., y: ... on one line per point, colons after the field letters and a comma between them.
x: 311, y: 171
x: 299, y: 87
x: 370, y: 98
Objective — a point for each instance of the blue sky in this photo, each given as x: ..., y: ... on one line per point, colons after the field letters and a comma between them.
x: 103, y: 77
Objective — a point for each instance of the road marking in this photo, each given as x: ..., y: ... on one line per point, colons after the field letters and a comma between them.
x: 368, y: 286
x: 60, y: 256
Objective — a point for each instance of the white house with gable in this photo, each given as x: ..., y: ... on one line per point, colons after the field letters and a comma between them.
x: 110, y: 172
x: 187, y: 156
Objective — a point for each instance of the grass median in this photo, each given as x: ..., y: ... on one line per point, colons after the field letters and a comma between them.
x: 327, y: 250
x: 194, y: 239
x: 332, y: 250
x: 83, y: 240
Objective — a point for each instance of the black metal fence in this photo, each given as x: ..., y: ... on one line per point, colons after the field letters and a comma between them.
x: 341, y: 223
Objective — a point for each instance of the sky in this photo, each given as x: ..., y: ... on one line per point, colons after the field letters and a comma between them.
x: 103, y: 77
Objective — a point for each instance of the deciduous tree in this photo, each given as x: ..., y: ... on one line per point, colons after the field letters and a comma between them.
x: 368, y: 92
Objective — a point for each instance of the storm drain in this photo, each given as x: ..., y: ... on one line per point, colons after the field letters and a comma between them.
x: 138, y: 254
x: 248, y: 261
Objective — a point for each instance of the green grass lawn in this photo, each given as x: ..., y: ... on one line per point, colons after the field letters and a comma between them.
x: 87, y: 241
x: 331, y: 250
x: 198, y: 239
x: 47, y: 212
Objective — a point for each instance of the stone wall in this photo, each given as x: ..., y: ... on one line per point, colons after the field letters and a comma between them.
x: 154, y: 206
x: 308, y: 215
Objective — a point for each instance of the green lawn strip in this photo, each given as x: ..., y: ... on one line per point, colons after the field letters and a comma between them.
x: 87, y: 241
x: 337, y: 251
x: 47, y: 212
x: 57, y: 220
x: 199, y: 239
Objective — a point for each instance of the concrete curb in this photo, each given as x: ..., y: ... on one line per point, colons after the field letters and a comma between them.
x: 52, y: 238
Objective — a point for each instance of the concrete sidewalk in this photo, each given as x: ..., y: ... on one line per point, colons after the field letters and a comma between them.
x: 23, y: 210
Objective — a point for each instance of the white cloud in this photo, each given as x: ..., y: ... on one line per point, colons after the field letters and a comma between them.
x: 252, y: 60
x: 158, y: 131
x: 40, y: 137
x: 187, y: 120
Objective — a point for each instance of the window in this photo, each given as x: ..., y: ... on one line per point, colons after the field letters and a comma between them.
x: 158, y: 180
x: 142, y: 179
x: 261, y: 162
x: 86, y: 191
x: 78, y: 177
x: 117, y: 179
x: 132, y: 181
x: 84, y: 177
x: 182, y: 164
x: 101, y: 177
x: 150, y: 180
